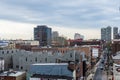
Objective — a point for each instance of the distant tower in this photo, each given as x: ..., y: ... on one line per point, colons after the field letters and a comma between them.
x: 106, y: 33
x: 115, y: 32
x: 77, y: 36
x: 103, y: 33
x: 55, y: 34
x: 43, y: 34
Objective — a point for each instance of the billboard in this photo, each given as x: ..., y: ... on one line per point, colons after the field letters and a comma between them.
x: 95, y: 52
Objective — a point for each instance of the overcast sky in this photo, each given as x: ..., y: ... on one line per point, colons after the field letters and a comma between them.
x: 19, y: 17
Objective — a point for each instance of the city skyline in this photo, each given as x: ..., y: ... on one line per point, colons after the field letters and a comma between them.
x: 18, y: 18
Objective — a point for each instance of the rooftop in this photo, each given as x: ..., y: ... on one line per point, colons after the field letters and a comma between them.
x: 50, y: 64
x: 12, y: 73
x: 117, y: 56
x: 53, y: 69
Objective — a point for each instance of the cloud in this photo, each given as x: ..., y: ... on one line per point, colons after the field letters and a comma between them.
x: 70, y: 14
x: 15, y: 30
x: 67, y: 12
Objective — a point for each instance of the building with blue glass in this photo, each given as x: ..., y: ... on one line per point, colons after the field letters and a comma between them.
x: 43, y: 34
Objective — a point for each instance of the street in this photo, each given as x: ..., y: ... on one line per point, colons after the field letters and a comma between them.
x: 100, y: 73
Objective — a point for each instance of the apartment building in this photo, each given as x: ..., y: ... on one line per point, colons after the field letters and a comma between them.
x: 21, y: 59
x: 7, y: 55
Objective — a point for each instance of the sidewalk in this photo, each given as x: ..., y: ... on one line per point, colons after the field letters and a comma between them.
x: 110, y: 77
x: 90, y: 77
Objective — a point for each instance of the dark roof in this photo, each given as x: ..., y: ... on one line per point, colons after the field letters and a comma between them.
x: 51, y: 76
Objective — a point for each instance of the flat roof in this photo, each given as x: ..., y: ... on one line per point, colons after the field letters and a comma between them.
x: 117, y: 56
x: 55, y: 69
x: 50, y: 64
x: 51, y: 76
x: 13, y: 73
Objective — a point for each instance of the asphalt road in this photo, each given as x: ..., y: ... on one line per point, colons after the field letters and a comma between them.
x: 100, y: 73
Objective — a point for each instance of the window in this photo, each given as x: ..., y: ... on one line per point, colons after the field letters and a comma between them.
x: 71, y: 55
x: 7, y: 51
x: 17, y: 66
x: 26, y: 59
x: 45, y: 59
x: 40, y: 60
x: 21, y: 67
x: 2, y: 52
x: 36, y: 59
x: 11, y: 51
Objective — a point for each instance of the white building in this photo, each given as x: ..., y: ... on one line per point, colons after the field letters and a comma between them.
x: 7, y: 57
x: 116, y: 66
x: 55, y: 34
x: 23, y: 59
x: 26, y: 42
x: 116, y: 71
x: 78, y: 36
x: 13, y: 75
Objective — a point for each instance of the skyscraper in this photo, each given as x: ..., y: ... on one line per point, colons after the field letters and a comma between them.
x: 55, y: 34
x: 43, y: 34
x: 115, y: 32
x: 103, y: 33
x: 106, y: 33
x: 78, y: 36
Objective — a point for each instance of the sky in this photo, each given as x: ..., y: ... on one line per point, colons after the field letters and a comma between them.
x: 87, y: 17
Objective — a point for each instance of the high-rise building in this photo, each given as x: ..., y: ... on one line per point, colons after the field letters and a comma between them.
x: 117, y: 36
x: 78, y: 36
x: 106, y: 33
x: 115, y: 32
x: 103, y: 33
x: 55, y: 34
x: 43, y: 34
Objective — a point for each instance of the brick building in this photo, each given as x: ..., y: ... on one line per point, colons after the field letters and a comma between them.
x: 115, y: 46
